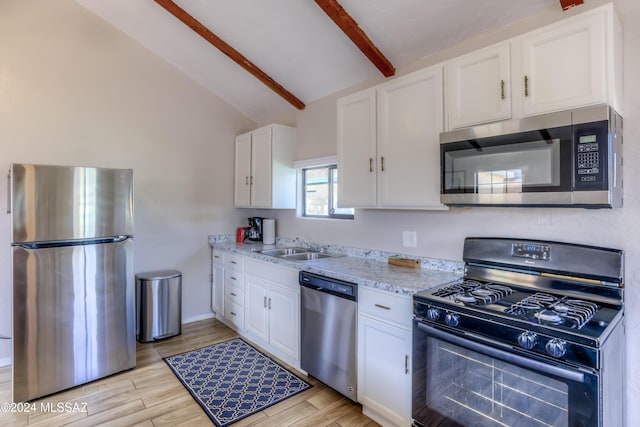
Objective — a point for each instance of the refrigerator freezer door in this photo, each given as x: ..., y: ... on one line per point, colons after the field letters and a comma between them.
x: 70, y: 203
x: 73, y: 316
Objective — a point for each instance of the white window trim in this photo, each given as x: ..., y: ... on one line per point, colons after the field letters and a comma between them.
x: 299, y: 165
x: 314, y: 163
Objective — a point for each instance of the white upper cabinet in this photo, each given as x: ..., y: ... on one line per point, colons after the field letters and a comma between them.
x: 264, y: 173
x: 478, y: 87
x: 242, y: 187
x: 571, y: 63
x: 357, y: 141
x: 410, y: 119
x: 388, y: 143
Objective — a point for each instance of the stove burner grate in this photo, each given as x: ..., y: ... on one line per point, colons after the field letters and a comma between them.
x: 474, y: 292
x: 548, y: 309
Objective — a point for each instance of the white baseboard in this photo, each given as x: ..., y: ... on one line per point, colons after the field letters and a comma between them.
x: 5, y: 362
x: 198, y: 318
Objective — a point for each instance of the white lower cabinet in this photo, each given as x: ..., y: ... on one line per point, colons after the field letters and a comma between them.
x: 217, y: 282
x: 234, y: 290
x: 272, y: 316
x: 384, y: 356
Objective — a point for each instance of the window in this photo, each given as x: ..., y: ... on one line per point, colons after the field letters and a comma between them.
x: 320, y: 186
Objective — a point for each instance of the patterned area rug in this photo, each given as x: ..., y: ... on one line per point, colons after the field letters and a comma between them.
x: 232, y: 380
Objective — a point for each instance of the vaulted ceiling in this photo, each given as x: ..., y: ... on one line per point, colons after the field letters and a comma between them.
x: 297, y: 44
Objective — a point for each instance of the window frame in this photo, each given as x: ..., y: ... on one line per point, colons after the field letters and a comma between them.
x: 330, y: 183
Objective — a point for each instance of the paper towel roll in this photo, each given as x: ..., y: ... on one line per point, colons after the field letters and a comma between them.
x: 268, y: 231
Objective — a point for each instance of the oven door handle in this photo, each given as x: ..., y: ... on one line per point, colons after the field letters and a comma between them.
x: 566, y: 374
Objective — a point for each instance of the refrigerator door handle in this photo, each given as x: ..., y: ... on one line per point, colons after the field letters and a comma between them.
x: 61, y: 243
x: 9, y: 192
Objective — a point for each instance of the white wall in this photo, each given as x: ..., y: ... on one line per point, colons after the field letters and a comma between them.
x: 75, y: 91
x: 441, y: 234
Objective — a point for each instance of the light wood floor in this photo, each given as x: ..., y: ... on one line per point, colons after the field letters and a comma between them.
x: 151, y: 395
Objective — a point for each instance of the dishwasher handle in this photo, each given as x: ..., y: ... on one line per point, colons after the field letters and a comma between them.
x: 336, y: 287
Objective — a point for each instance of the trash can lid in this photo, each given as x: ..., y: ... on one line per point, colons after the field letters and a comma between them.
x: 160, y: 274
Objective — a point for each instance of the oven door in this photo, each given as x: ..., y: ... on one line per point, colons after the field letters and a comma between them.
x: 460, y: 382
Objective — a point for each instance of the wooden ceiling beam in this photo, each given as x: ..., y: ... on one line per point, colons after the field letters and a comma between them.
x: 350, y: 27
x: 568, y: 4
x: 225, y: 48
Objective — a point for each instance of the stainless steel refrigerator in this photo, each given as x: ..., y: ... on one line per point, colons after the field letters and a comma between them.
x: 73, y: 279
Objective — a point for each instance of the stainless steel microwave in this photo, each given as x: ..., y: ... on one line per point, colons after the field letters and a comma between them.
x: 565, y: 159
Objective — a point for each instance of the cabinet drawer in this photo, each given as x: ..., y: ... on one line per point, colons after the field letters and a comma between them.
x: 234, y: 261
x: 234, y: 294
x: 217, y: 256
x: 233, y: 278
x: 234, y: 313
x: 386, y: 306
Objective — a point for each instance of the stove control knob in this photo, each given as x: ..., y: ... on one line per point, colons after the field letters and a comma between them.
x: 527, y: 340
x: 452, y: 319
x: 556, y: 347
x: 433, y: 314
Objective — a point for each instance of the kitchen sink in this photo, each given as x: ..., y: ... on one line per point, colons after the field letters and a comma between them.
x: 306, y: 256
x: 295, y: 254
x: 283, y: 251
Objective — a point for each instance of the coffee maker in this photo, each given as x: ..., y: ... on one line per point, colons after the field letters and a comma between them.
x: 253, y: 233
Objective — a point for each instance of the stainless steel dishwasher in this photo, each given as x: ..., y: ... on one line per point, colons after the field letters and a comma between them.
x: 328, y: 331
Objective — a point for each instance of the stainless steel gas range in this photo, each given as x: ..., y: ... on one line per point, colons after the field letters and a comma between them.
x: 532, y: 336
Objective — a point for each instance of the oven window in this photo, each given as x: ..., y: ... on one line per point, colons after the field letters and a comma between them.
x: 466, y: 388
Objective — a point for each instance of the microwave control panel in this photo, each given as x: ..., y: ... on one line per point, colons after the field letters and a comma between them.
x: 590, y: 156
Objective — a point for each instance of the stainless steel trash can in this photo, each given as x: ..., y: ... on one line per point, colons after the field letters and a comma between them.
x: 159, y: 305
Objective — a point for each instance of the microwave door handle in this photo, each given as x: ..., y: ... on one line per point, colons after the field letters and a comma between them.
x: 524, y: 362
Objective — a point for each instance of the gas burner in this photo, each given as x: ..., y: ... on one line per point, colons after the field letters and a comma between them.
x: 474, y: 292
x: 549, y: 317
x: 548, y: 309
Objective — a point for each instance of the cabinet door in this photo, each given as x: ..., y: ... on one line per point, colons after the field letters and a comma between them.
x: 384, y: 369
x: 357, y: 150
x: 217, y: 288
x: 284, y: 328
x: 261, y: 168
x: 242, y: 176
x: 256, y: 307
x: 564, y: 65
x: 478, y: 87
x: 410, y: 119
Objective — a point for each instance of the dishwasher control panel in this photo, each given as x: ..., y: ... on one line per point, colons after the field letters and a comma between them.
x: 330, y: 285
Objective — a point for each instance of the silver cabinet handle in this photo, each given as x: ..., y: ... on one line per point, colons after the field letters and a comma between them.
x: 232, y: 278
x: 502, y: 89
x: 526, y: 86
x: 384, y: 307
x: 232, y: 313
x: 233, y: 295
x: 265, y: 302
x: 269, y: 303
x: 370, y: 164
x: 382, y: 163
x: 234, y: 262
x: 406, y: 364
x: 246, y: 180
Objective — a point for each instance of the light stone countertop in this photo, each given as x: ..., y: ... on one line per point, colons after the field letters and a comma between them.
x: 364, y: 267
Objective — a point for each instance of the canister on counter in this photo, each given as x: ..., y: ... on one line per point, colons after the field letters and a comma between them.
x: 240, y: 234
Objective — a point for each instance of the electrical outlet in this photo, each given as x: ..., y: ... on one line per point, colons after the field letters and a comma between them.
x: 409, y: 239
